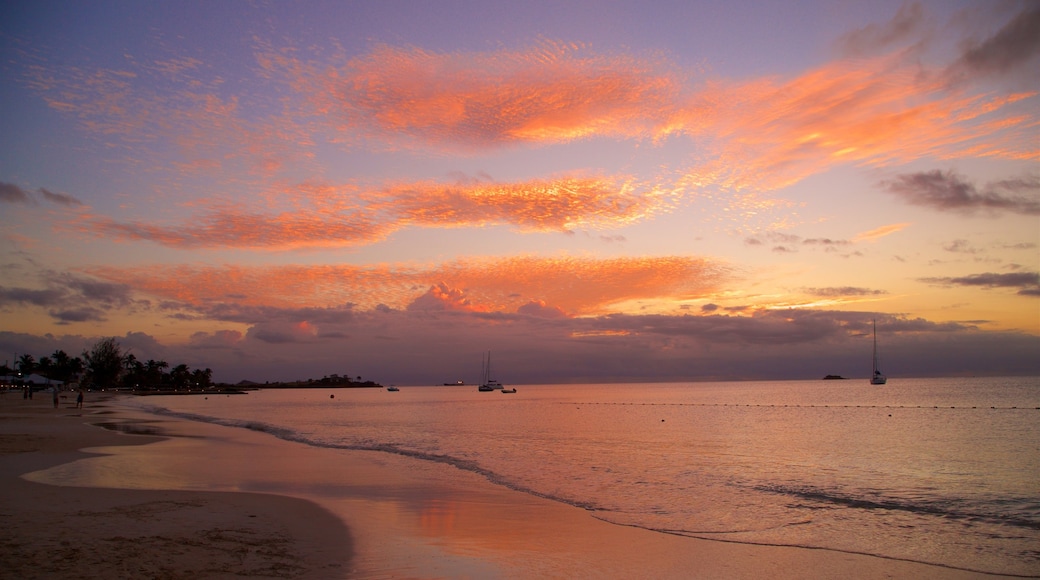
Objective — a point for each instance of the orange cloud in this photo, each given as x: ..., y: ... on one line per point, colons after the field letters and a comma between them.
x: 768, y: 134
x: 334, y: 217
x: 881, y: 232
x: 252, y: 231
x: 748, y: 136
x: 551, y: 93
x: 579, y: 286
x: 538, y: 205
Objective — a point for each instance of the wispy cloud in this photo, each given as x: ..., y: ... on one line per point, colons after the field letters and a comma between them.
x: 236, y: 229
x: 1028, y: 283
x: 339, y: 216
x: 876, y: 37
x: 948, y: 191
x: 539, y: 205
x: 877, y: 233
x: 11, y: 193
x: 772, y: 133
x: 577, y: 286
x: 843, y: 291
x: 1013, y: 46
x: 69, y: 298
x: 550, y: 93
x: 749, y: 136
x: 783, y: 242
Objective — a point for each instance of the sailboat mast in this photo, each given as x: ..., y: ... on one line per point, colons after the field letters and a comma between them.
x: 874, y: 323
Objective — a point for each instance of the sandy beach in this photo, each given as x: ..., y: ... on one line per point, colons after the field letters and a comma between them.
x: 162, y: 498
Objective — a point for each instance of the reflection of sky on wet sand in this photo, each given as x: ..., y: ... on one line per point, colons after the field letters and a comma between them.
x: 404, y: 513
x: 400, y: 515
x: 412, y: 518
x: 406, y: 516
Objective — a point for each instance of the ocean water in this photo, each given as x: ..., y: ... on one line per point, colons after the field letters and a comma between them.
x: 942, y: 471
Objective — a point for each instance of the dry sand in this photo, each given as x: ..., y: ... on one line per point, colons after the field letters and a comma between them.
x: 62, y: 532
x: 404, y: 518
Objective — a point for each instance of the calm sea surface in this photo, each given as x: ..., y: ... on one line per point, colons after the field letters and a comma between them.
x: 944, y: 471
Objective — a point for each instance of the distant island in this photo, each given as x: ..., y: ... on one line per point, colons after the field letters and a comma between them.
x: 834, y: 378
x: 326, y: 382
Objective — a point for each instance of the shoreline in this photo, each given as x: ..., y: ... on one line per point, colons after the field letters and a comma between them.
x: 110, y: 533
x: 396, y: 516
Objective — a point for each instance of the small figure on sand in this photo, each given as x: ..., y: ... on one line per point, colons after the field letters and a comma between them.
x: 54, y: 391
x: 79, y: 399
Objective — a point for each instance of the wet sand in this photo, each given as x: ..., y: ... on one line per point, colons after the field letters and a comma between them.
x: 207, y: 501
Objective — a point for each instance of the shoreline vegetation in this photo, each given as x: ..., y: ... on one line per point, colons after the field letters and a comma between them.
x: 244, y: 387
x: 107, y: 367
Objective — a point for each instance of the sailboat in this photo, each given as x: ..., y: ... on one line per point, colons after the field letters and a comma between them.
x: 486, y: 382
x: 878, y: 378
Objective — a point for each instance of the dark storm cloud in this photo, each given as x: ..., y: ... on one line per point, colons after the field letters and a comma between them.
x: 790, y: 243
x: 960, y: 247
x: 540, y: 309
x: 825, y: 242
x: 416, y: 348
x: 842, y: 291
x: 274, y: 336
x: 248, y: 314
x: 78, y: 315
x: 46, y: 297
x: 951, y: 192
x: 1013, y: 45
x: 106, y: 293
x: 874, y: 38
x: 1028, y: 283
x: 767, y: 327
x: 70, y: 298
x: 11, y: 193
x: 59, y: 198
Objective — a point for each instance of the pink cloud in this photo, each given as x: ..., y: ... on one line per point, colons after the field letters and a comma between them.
x: 574, y: 285
x: 336, y: 217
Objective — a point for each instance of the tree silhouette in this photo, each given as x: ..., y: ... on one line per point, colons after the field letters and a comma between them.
x: 104, y: 363
x: 180, y: 375
x: 202, y: 378
x: 63, y: 367
x: 26, y: 363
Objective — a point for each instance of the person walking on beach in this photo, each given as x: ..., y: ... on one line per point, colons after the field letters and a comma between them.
x: 79, y: 399
x: 54, y: 391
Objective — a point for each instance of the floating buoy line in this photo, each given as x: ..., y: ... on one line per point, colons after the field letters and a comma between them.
x: 775, y: 406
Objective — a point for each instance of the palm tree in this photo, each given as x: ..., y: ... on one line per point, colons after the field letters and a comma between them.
x: 154, y: 371
x: 62, y: 365
x: 45, y: 367
x: 130, y: 362
x: 202, y: 378
x: 180, y: 375
x: 26, y: 363
x: 134, y: 373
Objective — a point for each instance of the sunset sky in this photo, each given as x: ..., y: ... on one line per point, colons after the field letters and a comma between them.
x: 593, y: 191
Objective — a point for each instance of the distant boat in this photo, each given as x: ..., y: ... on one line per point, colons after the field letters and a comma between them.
x: 486, y: 382
x: 392, y: 388
x: 833, y: 378
x: 457, y: 383
x: 878, y: 378
x: 513, y: 390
